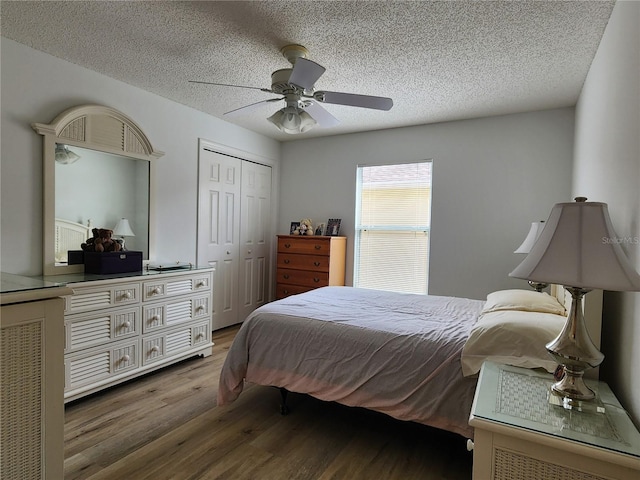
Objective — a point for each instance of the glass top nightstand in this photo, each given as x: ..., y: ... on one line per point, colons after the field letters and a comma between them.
x: 513, y: 402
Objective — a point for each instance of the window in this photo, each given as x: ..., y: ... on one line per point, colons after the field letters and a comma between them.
x: 393, y: 217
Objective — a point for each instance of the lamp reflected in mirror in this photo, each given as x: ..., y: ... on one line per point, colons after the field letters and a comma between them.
x: 527, y: 245
x: 65, y: 156
x: 122, y: 230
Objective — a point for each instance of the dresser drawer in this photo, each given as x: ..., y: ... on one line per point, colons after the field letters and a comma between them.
x: 169, y: 343
x: 168, y: 287
x: 283, y: 290
x: 86, y: 330
x: 93, y: 365
x: 317, y: 263
x: 85, y: 299
x: 302, y: 277
x: 170, y: 313
x: 305, y: 245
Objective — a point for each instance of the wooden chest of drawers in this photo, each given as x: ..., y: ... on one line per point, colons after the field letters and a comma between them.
x: 305, y: 263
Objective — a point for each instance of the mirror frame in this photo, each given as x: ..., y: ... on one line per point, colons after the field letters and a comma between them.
x: 95, y: 127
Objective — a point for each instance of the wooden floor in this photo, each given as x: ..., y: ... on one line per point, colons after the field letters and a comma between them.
x: 166, y: 425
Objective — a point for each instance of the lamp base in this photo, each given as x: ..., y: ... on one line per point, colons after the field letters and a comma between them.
x: 572, y: 386
x: 575, y: 351
x: 593, y: 405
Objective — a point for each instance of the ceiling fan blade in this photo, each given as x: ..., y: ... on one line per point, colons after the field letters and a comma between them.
x: 354, y: 100
x: 320, y: 115
x: 249, y: 108
x: 229, y: 85
x: 305, y: 73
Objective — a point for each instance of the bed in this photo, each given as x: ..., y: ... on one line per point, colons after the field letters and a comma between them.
x: 69, y: 236
x: 413, y: 357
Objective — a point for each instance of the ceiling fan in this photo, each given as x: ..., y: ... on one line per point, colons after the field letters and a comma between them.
x: 296, y: 86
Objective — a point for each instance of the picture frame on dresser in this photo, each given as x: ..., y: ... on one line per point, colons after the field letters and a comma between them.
x: 319, y: 229
x: 333, y: 227
x: 293, y: 227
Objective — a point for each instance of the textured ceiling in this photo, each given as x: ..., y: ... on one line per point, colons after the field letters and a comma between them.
x: 438, y: 60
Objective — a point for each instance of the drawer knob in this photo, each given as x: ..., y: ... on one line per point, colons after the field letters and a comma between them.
x: 155, y: 348
x: 316, y: 280
x: 125, y: 358
x: 317, y: 264
x: 287, y: 245
x: 126, y: 295
x: 156, y: 291
x: 200, y: 308
x: 287, y: 261
x: 249, y: 252
x: 200, y: 335
x: 286, y: 276
x: 286, y: 292
x: 200, y: 284
x: 155, y: 318
x: 126, y: 324
x: 317, y: 247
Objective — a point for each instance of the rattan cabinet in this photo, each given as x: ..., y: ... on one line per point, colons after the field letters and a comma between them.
x: 117, y: 329
x: 308, y: 262
x: 32, y: 430
x: 520, y: 435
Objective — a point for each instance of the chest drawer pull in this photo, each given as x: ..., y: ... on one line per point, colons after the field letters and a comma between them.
x: 201, y: 284
x: 317, y: 264
x: 200, y: 308
x: 126, y: 295
x: 155, y: 348
x: 287, y: 245
x: 156, y: 291
x: 317, y: 247
x: 126, y: 324
x: 316, y: 279
x: 286, y: 260
x: 125, y: 358
x: 286, y: 275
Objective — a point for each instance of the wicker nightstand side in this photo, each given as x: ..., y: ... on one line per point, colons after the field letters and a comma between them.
x: 519, y: 435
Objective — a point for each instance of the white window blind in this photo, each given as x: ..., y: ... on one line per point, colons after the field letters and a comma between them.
x: 393, y: 217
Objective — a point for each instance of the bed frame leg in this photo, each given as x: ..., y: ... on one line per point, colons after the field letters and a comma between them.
x: 284, y: 410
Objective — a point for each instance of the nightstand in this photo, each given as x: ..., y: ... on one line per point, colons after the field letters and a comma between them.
x: 519, y: 435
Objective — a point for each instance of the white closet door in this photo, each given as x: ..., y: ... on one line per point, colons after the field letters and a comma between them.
x: 218, y: 230
x: 255, y: 237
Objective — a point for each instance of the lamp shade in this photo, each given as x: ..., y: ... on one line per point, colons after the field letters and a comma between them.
x: 65, y: 156
x: 532, y: 236
x: 578, y: 247
x: 123, y: 229
x: 292, y: 120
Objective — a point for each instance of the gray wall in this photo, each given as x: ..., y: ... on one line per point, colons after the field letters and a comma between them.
x: 491, y: 178
x: 36, y: 87
x: 607, y: 169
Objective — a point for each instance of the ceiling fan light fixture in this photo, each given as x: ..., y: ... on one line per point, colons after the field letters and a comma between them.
x: 292, y: 120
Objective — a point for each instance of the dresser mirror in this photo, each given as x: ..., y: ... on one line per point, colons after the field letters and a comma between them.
x: 99, y: 167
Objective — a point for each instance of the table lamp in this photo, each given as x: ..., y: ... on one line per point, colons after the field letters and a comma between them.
x: 579, y: 249
x: 532, y: 236
x: 123, y: 229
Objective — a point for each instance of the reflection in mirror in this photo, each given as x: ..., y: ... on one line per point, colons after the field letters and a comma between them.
x: 95, y: 189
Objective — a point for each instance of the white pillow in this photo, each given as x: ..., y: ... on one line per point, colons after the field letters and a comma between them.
x: 511, y: 337
x: 523, y: 300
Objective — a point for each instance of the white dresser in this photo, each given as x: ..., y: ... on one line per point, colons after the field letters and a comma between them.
x: 119, y: 328
x: 519, y: 435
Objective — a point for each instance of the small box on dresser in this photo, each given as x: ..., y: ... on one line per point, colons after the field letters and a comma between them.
x: 308, y: 262
x: 520, y: 435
